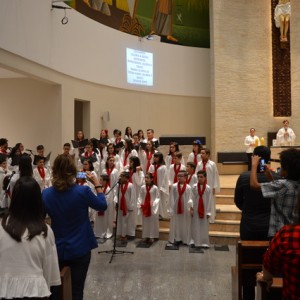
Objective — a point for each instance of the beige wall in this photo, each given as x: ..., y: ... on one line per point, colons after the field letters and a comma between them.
x: 241, y: 58
x: 167, y: 114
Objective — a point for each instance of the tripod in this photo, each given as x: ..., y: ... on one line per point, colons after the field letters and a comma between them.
x: 114, y: 251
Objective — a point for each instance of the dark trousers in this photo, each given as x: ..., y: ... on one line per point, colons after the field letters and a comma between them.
x: 249, y: 155
x: 79, y: 268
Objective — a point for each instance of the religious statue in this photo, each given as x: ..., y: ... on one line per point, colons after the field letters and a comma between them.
x: 162, y: 21
x: 282, y: 15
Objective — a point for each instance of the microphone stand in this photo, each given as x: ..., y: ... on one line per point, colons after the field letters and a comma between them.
x: 114, y: 251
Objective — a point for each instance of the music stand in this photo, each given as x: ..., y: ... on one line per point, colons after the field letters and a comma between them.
x: 114, y: 251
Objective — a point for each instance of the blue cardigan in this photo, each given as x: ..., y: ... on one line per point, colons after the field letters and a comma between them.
x: 68, y: 210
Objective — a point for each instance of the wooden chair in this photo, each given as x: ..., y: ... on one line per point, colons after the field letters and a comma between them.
x: 249, y: 256
x: 66, y: 284
x: 274, y: 293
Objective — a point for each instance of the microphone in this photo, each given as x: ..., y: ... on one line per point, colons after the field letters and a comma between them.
x: 28, y: 150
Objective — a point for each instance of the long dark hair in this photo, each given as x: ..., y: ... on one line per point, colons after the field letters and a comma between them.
x: 25, y: 166
x: 25, y: 211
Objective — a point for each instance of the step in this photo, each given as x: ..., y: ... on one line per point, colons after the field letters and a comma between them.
x: 225, y: 225
x: 227, y: 212
x: 224, y: 199
x: 223, y: 238
x: 226, y: 191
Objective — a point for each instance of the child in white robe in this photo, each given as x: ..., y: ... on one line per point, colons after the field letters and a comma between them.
x: 201, y: 211
x: 175, y: 168
x: 161, y: 180
x: 148, y: 204
x: 212, y: 178
x: 127, y: 153
x: 174, y: 147
x: 41, y: 174
x: 195, y: 155
x: 192, y: 177
x: 180, y: 204
x: 104, y: 220
x: 126, y: 203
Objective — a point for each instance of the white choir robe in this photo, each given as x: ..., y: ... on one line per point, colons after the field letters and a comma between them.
x: 192, y: 180
x: 168, y: 161
x: 180, y: 224
x: 4, y: 198
x: 285, y: 141
x: 113, y: 178
x: 192, y: 156
x: 151, y: 223
x: 163, y: 186
x: 199, y: 228
x: 103, y: 226
x: 43, y: 183
x: 124, y: 222
x: 118, y: 163
x: 144, y: 160
x: 213, y: 181
x: 172, y: 173
x: 122, y: 157
x: 96, y: 164
x: 102, y: 160
x: 138, y: 179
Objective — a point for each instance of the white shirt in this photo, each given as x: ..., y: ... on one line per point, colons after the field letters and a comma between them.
x: 283, y: 140
x: 251, y: 140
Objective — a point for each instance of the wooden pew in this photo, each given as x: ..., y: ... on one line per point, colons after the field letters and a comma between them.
x: 66, y: 284
x: 249, y: 256
x: 274, y: 293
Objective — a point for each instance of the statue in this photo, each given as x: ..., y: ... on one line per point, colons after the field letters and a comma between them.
x: 282, y: 15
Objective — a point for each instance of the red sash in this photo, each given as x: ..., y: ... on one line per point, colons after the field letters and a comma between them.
x: 123, y: 205
x: 108, y: 172
x: 195, y: 158
x: 200, y: 201
x: 146, y: 207
x: 149, y: 157
x: 42, y: 172
x: 155, y: 173
x: 176, y: 170
x: 204, y: 165
x: 126, y: 154
x: 180, y: 192
x: 188, y: 180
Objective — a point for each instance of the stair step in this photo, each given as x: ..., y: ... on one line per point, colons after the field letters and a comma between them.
x: 225, y: 225
x: 224, y: 234
x: 226, y: 191
x: 224, y: 199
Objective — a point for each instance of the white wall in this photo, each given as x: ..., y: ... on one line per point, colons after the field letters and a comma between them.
x: 90, y: 51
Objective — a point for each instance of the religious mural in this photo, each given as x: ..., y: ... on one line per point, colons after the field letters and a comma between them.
x: 181, y: 22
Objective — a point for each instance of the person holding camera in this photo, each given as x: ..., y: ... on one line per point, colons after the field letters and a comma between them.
x: 67, y: 205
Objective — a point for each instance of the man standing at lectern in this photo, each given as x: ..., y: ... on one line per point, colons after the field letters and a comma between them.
x: 285, y: 135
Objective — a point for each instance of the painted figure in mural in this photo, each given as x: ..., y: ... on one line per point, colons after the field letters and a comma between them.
x: 162, y: 20
x: 99, y: 5
x: 282, y: 16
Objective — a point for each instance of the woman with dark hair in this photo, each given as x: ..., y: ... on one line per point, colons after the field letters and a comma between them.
x: 25, y: 169
x: 127, y: 153
x: 29, y: 264
x: 174, y: 147
x: 128, y: 133
x: 67, y: 205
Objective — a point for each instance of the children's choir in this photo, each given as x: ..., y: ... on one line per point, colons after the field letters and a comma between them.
x: 141, y: 186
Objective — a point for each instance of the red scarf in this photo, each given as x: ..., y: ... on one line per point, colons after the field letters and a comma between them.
x: 176, y: 170
x: 41, y: 172
x: 108, y: 172
x: 123, y: 205
x: 200, y: 201
x: 149, y: 157
x: 195, y: 158
x: 188, y: 180
x: 126, y: 154
x: 101, y: 212
x: 146, y: 207
x: 156, y: 166
x: 180, y: 192
x: 130, y: 175
x: 204, y: 165
x: 88, y: 154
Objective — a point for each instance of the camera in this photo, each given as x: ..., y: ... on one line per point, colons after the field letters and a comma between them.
x: 262, y: 165
x: 81, y: 175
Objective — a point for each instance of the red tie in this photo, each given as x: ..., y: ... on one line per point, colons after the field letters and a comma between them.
x: 204, y: 165
x: 155, y: 173
x: 180, y: 192
x: 176, y: 170
x: 195, y: 159
x: 149, y: 156
x: 123, y: 205
x: 146, y: 207
x: 200, y: 201
x: 100, y: 212
x: 42, y: 172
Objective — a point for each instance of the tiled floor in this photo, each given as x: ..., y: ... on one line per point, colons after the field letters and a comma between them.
x: 156, y: 273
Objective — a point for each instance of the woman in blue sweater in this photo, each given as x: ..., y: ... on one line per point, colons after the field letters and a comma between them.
x: 67, y: 205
